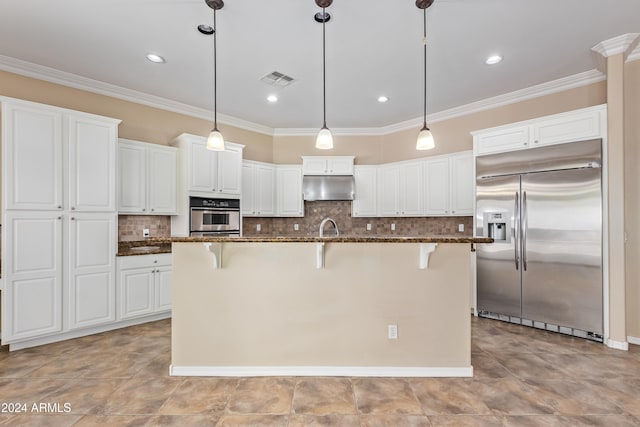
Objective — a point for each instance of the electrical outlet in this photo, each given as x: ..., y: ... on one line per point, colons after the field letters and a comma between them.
x: 258, y: 227
x: 392, y: 332
x: 368, y: 227
x: 145, y: 232
x: 296, y: 227
x: 460, y: 228
x: 393, y: 227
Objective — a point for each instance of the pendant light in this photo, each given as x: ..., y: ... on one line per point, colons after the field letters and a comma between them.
x: 215, y: 141
x: 324, y: 140
x: 425, y: 138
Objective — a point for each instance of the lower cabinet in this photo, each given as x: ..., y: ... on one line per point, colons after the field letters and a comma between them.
x: 144, y: 285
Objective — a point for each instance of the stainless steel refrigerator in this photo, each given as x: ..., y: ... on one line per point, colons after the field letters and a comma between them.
x: 543, y: 207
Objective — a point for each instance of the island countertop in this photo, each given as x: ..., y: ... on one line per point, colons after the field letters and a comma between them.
x: 125, y: 248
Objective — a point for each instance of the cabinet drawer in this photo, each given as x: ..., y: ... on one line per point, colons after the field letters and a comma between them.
x: 138, y: 261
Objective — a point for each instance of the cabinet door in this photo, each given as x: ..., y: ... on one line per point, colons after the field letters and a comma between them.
x: 340, y: 166
x: 436, y: 180
x: 161, y: 182
x: 203, y: 168
x: 289, y: 182
x: 132, y: 178
x: 462, y: 184
x: 365, y: 201
x: 92, y: 164
x: 32, y: 157
x: 248, y: 195
x: 32, y: 273
x: 567, y: 128
x: 411, y: 189
x: 508, y: 139
x: 388, y: 190
x: 314, y: 166
x: 136, y: 292
x: 230, y: 171
x: 91, y: 261
x: 163, y: 288
x: 265, y: 186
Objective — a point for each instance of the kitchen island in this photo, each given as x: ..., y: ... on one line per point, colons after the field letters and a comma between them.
x: 292, y: 306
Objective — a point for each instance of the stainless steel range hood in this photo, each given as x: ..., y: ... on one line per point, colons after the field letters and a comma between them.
x: 328, y: 187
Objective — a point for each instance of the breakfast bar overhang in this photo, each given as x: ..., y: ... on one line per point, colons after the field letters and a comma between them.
x: 322, y: 306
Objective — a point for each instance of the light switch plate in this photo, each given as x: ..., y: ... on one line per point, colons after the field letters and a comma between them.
x: 258, y: 227
x: 296, y: 227
x: 393, y: 227
x: 145, y: 232
x: 460, y: 228
x: 368, y: 227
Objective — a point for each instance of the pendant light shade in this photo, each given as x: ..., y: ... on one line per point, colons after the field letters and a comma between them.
x: 324, y: 140
x: 425, y: 138
x: 215, y: 141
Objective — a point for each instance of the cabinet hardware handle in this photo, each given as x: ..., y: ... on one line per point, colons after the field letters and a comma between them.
x: 59, y: 206
x: 73, y: 208
x: 59, y: 217
x: 152, y: 209
x: 453, y: 211
x: 535, y: 142
x: 155, y: 262
x: 143, y: 209
x: 153, y: 271
x: 73, y: 219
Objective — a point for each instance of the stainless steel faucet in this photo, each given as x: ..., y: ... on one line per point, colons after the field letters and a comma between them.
x: 326, y: 220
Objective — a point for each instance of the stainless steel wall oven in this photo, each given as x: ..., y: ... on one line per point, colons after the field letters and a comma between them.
x: 214, y: 217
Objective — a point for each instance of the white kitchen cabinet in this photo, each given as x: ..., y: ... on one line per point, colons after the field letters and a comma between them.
x: 210, y: 173
x: 462, y: 183
x: 289, y: 191
x: 91, y: 269
x: 147, y: 178
x: 400, y: 189
x: 436, y: 186
x: 32, y: 275
x: 258, y: 189
x: 327, y: 165
x: 577, y: 125
x: 144, y: 285
x: 32, y: 157
x: 92, y: 164
x: 389, y: 190
x: 365, y: 203
x: 449, y: 185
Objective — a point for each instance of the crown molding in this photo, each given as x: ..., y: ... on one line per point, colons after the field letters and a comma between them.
x: 548, y: 88
x: 625, y: 44
x: 28, y: 69
x: 75, y: 81
x: 634, y: 55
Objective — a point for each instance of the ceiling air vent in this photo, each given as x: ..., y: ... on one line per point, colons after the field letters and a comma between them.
x: 276, y: 78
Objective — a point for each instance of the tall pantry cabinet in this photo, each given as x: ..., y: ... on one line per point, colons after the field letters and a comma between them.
x: 59, y: 219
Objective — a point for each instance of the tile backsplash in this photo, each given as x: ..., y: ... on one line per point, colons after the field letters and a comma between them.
x: 130, y: 226
x: 340, y: 211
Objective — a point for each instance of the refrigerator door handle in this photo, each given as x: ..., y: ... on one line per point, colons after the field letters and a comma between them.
x: 515, y: 231
x: 525, y: 225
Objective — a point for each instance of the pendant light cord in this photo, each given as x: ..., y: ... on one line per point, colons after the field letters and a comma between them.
x: 215, y: 74
x: 324, y: 71
x: 424, y: 43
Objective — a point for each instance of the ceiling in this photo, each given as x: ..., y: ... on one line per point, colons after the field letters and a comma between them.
x: 374, y: 47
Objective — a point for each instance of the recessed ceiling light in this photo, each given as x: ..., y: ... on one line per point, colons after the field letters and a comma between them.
x: 493, y: 59
x: 382, y: 98
x: 272, y: 98
x: 155, y: 58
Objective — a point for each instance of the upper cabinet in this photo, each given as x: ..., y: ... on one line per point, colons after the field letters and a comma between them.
x: 146, y: 178
x: 289, y: 190
x: 210, y: 173
x: 35, y: 138
x: 258, y: 189
x: 327, y: 165
x: 400, y: 189
x: 449, y: 185
x: 578, y: 125
x: 365, y: 203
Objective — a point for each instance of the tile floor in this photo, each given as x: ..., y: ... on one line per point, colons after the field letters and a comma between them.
x: 523, y: 377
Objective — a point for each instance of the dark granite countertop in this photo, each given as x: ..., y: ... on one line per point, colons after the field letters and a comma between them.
x: 157, y: 245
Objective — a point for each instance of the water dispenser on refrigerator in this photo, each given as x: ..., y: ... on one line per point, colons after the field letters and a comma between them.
x: 497, y: 225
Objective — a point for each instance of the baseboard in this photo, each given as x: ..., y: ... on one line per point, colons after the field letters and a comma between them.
x: 633, y: 340
x: 317, y: 371
x: 618, y: 345
x: 49, y: 339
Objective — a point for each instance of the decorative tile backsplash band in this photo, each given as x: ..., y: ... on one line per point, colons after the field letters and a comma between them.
x: 130, y: 226
x: 340, y: 211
